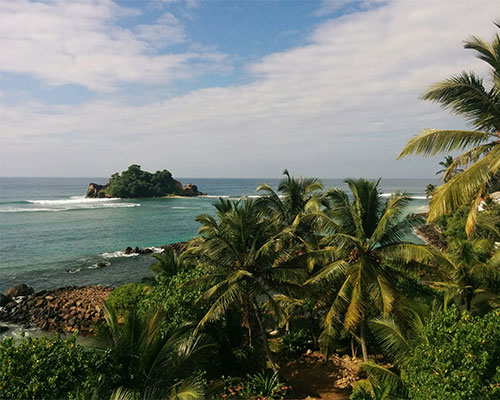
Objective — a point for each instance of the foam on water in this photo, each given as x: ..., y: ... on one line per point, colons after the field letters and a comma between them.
x: 74, y: 200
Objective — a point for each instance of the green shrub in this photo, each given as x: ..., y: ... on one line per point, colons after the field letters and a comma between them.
x: 361, y: 391
x: 295, y: 343
x: 176, y: 298
x: 52, y: 368
x: 261, y: 385
x: 129, y: 296
x: 460, y: 361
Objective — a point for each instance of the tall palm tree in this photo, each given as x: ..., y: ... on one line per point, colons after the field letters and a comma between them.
x: 295, y: 194
x: 240, y: 253
x: 367, y: 252
x: 467, y: 95
x: 154, y: 362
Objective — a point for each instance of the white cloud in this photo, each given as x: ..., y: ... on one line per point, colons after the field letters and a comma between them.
x: 344, y: 104
x: 80, y: 42
x: 166, y: 31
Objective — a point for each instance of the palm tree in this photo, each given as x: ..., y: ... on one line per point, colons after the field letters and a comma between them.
x: 466, y: 95
x: 154, y: 362
x: 467, y: 270
x: 295, y: 194
x: 429, y: 190
x: 240, y: 253
x: 449, y: 170
x: 366, y: 254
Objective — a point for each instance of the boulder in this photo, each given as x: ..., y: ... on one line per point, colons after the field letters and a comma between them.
x: 4, y: 300
x: 191, y: 190
x: 128, y: 250
x: 20, y: 290
x: 96, y: 191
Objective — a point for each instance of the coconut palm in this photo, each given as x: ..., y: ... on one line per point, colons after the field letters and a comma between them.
x: 154, y: 363
x: 467, y: 269
x: 241, y: 253
x: 467, y: 95
x: 429, y: 190
x: 366, y: 252
x: 295, y: 194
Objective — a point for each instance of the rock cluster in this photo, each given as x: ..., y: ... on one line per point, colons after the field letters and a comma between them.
x: 430, y: 235
x: 97, y: 191
x: 137, y: 250
x: 65, y: 310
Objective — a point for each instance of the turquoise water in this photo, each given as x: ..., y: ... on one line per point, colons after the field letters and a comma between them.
x: 51, y: 236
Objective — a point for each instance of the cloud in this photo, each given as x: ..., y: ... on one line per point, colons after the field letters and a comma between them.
x: 82, y: 42
x: 166, y: 31
x: 343, y: 104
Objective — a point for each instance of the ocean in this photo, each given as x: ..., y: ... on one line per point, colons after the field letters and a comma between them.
x: 52, y: 236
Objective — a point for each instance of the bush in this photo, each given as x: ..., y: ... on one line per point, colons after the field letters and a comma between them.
x: 295, y: 343
x: 52, y: 368
x: 130, y: 296
x: 461, y: 360
x: 176, y: 298
x: 262, y: 386
x: 361, y: 391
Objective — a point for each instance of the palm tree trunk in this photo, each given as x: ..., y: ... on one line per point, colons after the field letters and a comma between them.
x: 363, y: 341
x: 263, y: 334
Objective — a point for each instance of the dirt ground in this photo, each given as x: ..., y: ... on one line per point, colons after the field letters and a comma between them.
x: 312, y: 378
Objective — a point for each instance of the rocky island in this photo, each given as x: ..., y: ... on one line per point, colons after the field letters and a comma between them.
x: 135, y: 183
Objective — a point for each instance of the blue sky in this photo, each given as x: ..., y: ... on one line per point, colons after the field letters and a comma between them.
x: 215, y: 88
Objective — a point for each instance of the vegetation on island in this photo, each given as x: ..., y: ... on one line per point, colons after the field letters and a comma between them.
x: 306, y: 269
x: 136, y: 183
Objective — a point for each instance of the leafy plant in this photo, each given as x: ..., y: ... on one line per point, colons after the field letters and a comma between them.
x: 458, y: 361
x: 263, y: 386
x: 53, y: 368
x: 295, y: 343
x: 130, y: 296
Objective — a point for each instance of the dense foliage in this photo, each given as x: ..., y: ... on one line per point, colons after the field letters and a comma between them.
x: 460, y: 361
x: 53, y: 368
x: 134, y: 183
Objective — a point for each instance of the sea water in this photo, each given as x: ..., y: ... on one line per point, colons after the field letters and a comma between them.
x: 52, y: 236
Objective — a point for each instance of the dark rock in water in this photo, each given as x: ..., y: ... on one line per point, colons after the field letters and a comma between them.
x: 128, y: 250
x: 4, y: 300
x: 20, y: 290
x: 136, y: 250
x: 146, y: 251
x: 97, y: 191
x: 101, y: 264
x: 191, y: 190
x: 4, y: 329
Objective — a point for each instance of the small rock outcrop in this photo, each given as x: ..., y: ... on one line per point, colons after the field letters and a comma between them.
x: 191, y: 190
x: 97, y: 191
x: 64, y: 310
x: 20, y: 290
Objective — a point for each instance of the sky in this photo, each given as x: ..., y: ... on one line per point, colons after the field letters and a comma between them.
x: 214, y: 88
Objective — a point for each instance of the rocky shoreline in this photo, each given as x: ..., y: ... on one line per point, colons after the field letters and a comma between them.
x: 64, y: 310
x: 430, y: 235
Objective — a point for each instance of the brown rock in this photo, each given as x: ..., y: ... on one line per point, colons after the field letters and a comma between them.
x: 20, y: 290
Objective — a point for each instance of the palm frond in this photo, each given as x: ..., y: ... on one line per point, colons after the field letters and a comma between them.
x: 433, y: 141
x: 459, y: 190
